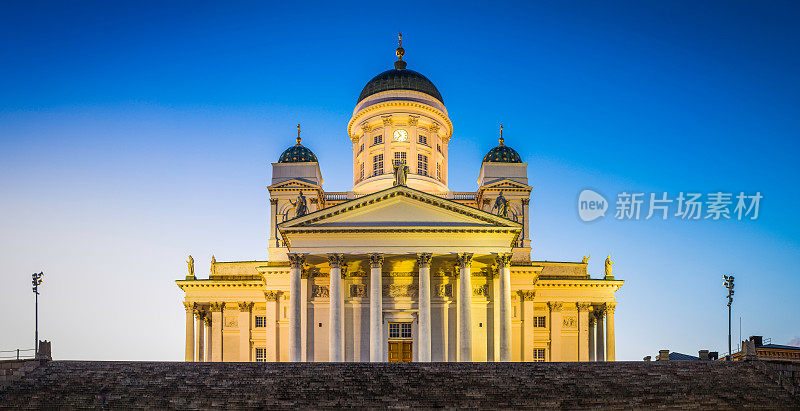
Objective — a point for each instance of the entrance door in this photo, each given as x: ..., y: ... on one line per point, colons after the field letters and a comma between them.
x: 400, y: 351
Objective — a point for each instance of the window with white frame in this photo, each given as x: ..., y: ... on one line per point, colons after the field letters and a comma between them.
x: 422, y: 139
x: 422, y: 164
x: 539, y: 322
x: 399, y: 330
x: 438, y: 171
x: 261, y: 321
x: 261, y: 355
x: 538, y: 355
x: 377, y: 165
x: 377, y: 139
x: 360, y: 171
x: 399, y: 158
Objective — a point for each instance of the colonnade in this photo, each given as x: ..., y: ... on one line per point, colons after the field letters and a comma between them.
x: 376, y: 332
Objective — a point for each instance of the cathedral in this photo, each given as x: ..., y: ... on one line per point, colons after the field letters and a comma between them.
x: 399, y: 268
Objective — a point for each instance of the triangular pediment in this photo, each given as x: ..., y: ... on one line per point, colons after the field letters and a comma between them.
x: 505, y: 184
x: 399, y: 207
x: 294, y: 184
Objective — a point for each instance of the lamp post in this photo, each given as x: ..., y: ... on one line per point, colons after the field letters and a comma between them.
x: 728, y: 283
x: 37, y: 280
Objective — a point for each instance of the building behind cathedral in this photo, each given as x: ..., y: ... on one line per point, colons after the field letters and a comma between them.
x: 400, y: 268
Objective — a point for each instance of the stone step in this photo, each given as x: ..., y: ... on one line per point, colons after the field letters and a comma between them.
x: 672, y: 384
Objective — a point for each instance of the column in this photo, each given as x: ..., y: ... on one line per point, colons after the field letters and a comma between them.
x: 295, y: 330
x: 526, y: 241
x: 198, y: 324
x: 600, y: 342
x: 591, y: 336
x: 583, y: 331
x: 528, y: 324
x: 495, y: 330
x: 424, y: 340
x: 273, y: 216
x: 555, y: 330
x: 336, y: 311
x: 271, y: 327
x: 207, y: 326
x: 376, y: 307
x: 189, y: 307
x: 216, y: 331
x: 610, y: 349
x: 244, y: 331
x: 504, y: 266
x: 465, y: 307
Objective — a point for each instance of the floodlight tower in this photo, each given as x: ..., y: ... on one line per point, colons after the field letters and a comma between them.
x: 727, y: 282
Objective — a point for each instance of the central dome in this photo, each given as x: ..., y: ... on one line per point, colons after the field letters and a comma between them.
x: 400, y: 80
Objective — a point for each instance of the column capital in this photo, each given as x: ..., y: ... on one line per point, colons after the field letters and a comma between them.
x: 526, y: 295
x: 424, y: 260
x: 245, y: 306
x: 296, y: 260
x: 555, y: 305
x: 610, y: 308
x: 504, y: 260
x: 583, y: 306
x: 376, y: 260
x: 271, y: 295
x: 335, y: 260
x: 464, y: 259
x: 526, y: 201
x: 216, y: 307
x: 599, y: 312
x: 273, y: 201
x: 189, y: 306
x: 207, y: 320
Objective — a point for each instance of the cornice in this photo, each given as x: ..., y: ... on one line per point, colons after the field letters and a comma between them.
x: 394, y: 103
x: 219, y: 284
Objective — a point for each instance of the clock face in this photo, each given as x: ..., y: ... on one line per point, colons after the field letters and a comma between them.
x: 400, y: 135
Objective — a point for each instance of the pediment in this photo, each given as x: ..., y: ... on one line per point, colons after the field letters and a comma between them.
x: 294, y: 184
x: 506, y: 184
x: 399, y: 207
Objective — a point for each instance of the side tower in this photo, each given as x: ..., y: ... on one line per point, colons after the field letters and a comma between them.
x: 503, y: 182
x: 400, y: 119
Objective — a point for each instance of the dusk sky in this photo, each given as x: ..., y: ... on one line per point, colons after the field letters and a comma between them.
x: 133, y: 134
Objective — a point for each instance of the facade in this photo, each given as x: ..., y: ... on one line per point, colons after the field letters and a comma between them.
x: 400, y: 268
x: 757, y: 347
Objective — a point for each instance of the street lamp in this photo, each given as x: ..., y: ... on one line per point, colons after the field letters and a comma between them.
x: 37, y: 280
x: 727, y: 282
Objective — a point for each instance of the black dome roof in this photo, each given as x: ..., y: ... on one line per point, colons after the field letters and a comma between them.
x: 502, y: 154
x: 297, y: 153
x: 404, y: 79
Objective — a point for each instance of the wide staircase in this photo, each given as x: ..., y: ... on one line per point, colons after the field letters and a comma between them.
x: 671, y: 384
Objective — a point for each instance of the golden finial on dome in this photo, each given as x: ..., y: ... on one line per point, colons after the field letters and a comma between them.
x: 298, y: 134
x: 400, y: 64
x: 501, y: 134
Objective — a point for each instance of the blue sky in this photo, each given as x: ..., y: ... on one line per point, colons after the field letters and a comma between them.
x: 134, y: 134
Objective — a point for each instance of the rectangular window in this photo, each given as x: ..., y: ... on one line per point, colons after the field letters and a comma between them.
x: 360, y: 171
x: 539, y: 322
x: 422, y: 164
x: 438, y: 148
x: 399, y: 330
x: 261, y: 321
x: 538, y: 355
x: 261, y: 355
x: 438, y: 171
x: 377, y: 139
x: 399, y: 158
x: 422, y: 139
x: 361, y: 150
x: 377, y: 165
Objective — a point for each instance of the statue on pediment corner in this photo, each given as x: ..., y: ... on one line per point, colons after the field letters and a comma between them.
x: 400, y: 174
x: 501, y: 205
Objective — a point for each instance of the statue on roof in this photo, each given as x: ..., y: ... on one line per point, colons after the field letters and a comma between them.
x: 586, y: 259
x: 608, y: 267
x: 300, y: 205
x: 400, y: 174
x: 501, y: 204
x: 190, y: 264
